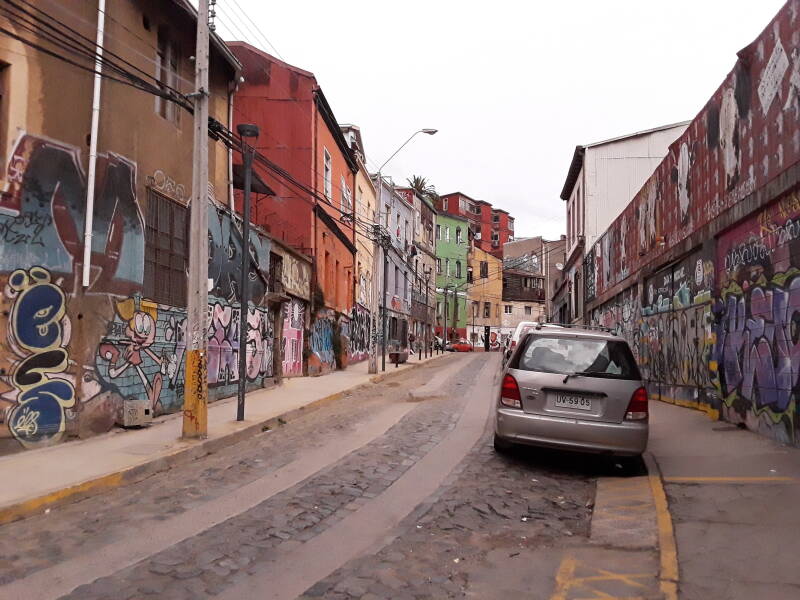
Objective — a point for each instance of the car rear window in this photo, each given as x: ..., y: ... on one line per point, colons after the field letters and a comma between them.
x: 589, y: 357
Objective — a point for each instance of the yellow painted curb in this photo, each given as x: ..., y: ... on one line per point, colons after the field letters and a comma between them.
x: 712, y: 413
x: 667, y: 547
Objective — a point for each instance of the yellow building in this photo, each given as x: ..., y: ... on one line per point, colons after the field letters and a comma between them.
x: 485, y: 296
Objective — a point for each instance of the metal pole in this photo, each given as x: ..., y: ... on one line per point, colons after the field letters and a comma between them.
x: 384, y: 244
x: 244, y: 281
x: 372, y: 367
x: 195, y: 399
x: 426, y: 325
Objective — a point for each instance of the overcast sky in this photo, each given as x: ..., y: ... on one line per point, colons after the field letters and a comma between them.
x: 512, y: 87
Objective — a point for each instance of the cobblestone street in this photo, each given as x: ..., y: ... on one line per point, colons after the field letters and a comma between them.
x: 488, y: 507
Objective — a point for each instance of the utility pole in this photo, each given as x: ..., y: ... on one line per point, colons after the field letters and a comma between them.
x: 246, y: 131
x: 195, y: 398
x: 455, y: 307
x: 445, y: 336
x: 385, y: 243
x: 372, y: 366
x: 426, y: 325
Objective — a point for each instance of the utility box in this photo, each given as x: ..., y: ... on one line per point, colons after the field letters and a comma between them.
x: 136, y: 412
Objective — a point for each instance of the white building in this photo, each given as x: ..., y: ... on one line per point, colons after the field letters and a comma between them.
x: 603, y: 178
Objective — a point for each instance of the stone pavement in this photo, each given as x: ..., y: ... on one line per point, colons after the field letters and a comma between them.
x: 733, y: 496
x: 50, y: 476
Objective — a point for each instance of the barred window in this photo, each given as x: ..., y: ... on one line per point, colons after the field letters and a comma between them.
x: 166, y: 250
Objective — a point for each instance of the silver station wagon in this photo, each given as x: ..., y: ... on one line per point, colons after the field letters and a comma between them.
x: 575, y: 389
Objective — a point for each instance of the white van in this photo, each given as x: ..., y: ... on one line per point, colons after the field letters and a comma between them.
x: 521, y: 330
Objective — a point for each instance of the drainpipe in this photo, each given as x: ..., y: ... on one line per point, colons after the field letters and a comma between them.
x: 231, y: 205
x: 98, y: 80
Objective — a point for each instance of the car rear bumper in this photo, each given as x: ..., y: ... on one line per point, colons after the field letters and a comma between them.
x: 624, y: 439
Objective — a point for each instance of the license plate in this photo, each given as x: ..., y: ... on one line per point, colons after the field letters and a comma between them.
x: 570, y: 401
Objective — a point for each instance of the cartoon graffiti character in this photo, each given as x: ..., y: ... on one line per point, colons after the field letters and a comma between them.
x: 140, y: 332
x: 39, y: 334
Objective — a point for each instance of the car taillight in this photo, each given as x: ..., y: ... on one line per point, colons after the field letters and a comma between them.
x: 509, y: 393
x: 513, y: 345
x: 637, y: 407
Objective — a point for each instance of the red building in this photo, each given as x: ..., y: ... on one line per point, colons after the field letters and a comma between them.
x: 490, y: 227
x: 299, y: 133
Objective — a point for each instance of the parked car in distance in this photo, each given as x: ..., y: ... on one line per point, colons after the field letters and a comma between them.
x: 573, y: 389
x: 462, y: 346
x: 522, y: 328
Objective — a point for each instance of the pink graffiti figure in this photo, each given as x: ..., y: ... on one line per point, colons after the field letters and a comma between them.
x: 141, y: 333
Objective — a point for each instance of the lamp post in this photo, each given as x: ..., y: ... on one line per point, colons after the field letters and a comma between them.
x: 373, y: 357
x: 246, y: 131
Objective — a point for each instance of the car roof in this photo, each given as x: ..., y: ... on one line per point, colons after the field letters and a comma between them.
x: 575, y: 331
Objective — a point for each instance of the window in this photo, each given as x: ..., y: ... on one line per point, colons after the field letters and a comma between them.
x: 388, y: 214
x: 166, y: 250
x: 495, y: 218
x: 396, y: 281
x: 590, y: 358
x: 495, y: 236
x: 446, y: 234
x: 447, y: 267
x: 444, y: 203
x: 469, y: 274
x: 347, y: 196
x: 438, y: 232
x: 438, y: 307
x: 458, y: 236
x: 475, y: 306
x: 508, y: 309
x: 439, y: 266
x: 510, y: 224
x: 484, y: 269
x: 166, y: 74
x: 405, y: 285
x: 327, y: 174
x: 462, y: 205
x: 497, y: 311
x: 487, y: 310
x: 527, y: 310
x: 458, y: 269
x: 407, y: 233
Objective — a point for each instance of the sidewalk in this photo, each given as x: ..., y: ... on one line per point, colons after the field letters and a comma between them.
x: 37, y: 479
x: 733, y: 498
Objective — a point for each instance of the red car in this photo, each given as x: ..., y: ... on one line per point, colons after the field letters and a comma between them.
x: 462, y: 346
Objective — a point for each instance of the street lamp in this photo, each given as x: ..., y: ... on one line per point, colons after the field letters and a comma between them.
x: 373, y: 357
x: 245, y: 131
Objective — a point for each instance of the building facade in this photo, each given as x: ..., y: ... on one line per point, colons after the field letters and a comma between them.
x: 452, y: 249
x: 360, y: 334
x: 602, y: 179
x: 313, y: 214
x: 105, y: 328
x: 485, y: 295
x: 538, y: 256
x: 491, y: 227
x: 397, y: 218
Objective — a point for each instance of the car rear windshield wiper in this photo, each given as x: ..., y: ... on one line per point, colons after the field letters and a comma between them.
x: 576, y: 374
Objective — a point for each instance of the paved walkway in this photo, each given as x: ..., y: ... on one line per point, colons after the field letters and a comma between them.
x: 49, y: 476
x: 733, y: 497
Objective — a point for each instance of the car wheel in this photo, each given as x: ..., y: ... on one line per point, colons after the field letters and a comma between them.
x: 502, y: 446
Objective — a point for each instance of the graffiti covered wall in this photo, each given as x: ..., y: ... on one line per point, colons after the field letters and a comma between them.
x: 357, y: 334
x: 69, y: 356
x: 322, y: 358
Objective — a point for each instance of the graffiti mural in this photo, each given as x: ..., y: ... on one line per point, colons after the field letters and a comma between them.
x: 42, y: 215
x: 225, y: 258
x: 358, y: 334
x: 294, y: 318
x: 143, y: 351
x: 321, y: 342
x: 39, y: 334
x: 758, y: 319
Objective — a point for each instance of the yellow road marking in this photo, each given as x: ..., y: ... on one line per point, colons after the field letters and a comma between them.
x: 775, y: 479
x: 668, y: 551
x: 567, y: 582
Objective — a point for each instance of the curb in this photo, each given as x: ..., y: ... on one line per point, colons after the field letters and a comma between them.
x: 667, y: 547
x: 196, y: 450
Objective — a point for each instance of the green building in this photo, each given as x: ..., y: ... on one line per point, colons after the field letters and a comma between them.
x: 452, y: 248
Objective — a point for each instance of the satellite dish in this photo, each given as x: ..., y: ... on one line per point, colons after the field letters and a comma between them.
x: 559, y: 266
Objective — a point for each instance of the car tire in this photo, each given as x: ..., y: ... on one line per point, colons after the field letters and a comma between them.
x: 502, y: 446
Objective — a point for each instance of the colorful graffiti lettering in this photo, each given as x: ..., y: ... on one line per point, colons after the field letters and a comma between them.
x: 293, y: 324
x: 39, y: 332
x: 322, y: 341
